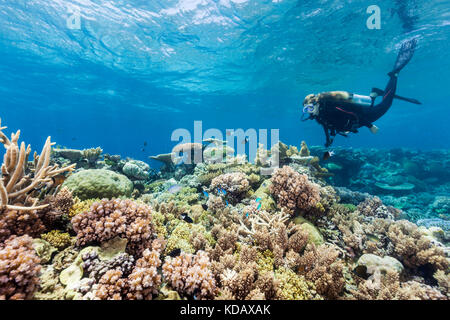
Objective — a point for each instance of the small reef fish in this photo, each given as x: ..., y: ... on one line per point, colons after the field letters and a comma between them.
x: 174, y: 253
x: 221, y: 191
x: 145, y: 143
x: 259, y: 206
x: 59, y: 179
x: 205, y: 193
x: 258, y: 199
x: 56, y: 181
x: 174, y: 189
x: 186, y: 218
x: 327, y: 155
x: 204, y: 206
x: 226, y: 202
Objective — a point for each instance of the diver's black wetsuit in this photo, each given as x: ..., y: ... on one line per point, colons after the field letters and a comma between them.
x: 338, y: 116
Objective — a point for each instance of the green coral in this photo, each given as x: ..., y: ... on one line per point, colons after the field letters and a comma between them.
x: 155, y: 186
x: 314, y: 235
x: 98, y: 183
x: 267, y: 202
x: 295, y: 287
x: 181, y: 237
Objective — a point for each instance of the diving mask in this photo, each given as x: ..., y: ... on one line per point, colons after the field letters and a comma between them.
x: 311, y: 108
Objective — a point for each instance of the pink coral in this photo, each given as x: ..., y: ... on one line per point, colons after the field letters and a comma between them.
x: 108, y: 219
x: 293, y: 190
x: 144, y: 281
x: 191, y: 274
x: 19, y: 268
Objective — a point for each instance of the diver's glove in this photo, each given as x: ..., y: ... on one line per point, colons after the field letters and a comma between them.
x: 374, y: 129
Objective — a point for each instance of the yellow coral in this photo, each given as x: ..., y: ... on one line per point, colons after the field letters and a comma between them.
x: 295, y: 287
x: 57, y: 239
x: 182, y: 237
x: 80, y: 206
x: 265, y: 261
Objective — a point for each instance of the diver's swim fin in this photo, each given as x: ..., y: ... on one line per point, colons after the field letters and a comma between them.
x: 405, y: 54
x: 380, y: 92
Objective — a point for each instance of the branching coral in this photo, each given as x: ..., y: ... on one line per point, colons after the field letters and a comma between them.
x: 110, y: 218
x: 389, y: 287
x: 191, y: 274
x: 413, y: 248
x: 19, y: 178
x: 58, y: 239
x: 293, y: 190
x: 145, y: 280
x: 235, y: 185
x: 19, y: 268
x: 322, y: 266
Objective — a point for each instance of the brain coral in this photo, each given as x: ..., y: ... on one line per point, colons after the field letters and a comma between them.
x: 108, y: 219
x: 98, y: 183
x: 19, y: 268
x: 293, y: 190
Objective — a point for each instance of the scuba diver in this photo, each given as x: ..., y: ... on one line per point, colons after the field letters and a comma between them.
x: 341, y: 112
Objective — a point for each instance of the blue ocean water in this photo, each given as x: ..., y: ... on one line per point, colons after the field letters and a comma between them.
x: 136, y: 70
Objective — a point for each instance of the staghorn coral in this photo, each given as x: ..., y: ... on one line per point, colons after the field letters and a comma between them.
x: 110, y: 218
x: 190, y: 274
x: 19, y: 268
x: 19, y: 212
x: 293, y: 190
x: 19, y: 177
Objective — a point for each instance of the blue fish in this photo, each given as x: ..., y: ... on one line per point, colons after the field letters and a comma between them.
x: 246, y: 215
x: 259, y: 206
x: 205, y: 193
x: 174, y: 189
x: 258, y: 199
x: 226, y: 202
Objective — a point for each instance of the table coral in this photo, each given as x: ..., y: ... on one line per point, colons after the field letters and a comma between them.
x: 19, y: 268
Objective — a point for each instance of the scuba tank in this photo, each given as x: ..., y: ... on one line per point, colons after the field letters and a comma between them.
x: 362, y: 100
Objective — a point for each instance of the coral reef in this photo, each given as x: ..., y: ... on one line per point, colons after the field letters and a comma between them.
x: 117, y: 229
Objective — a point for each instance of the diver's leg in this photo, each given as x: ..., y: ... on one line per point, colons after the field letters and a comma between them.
x: 377, y: 111
x: 404, y: 56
